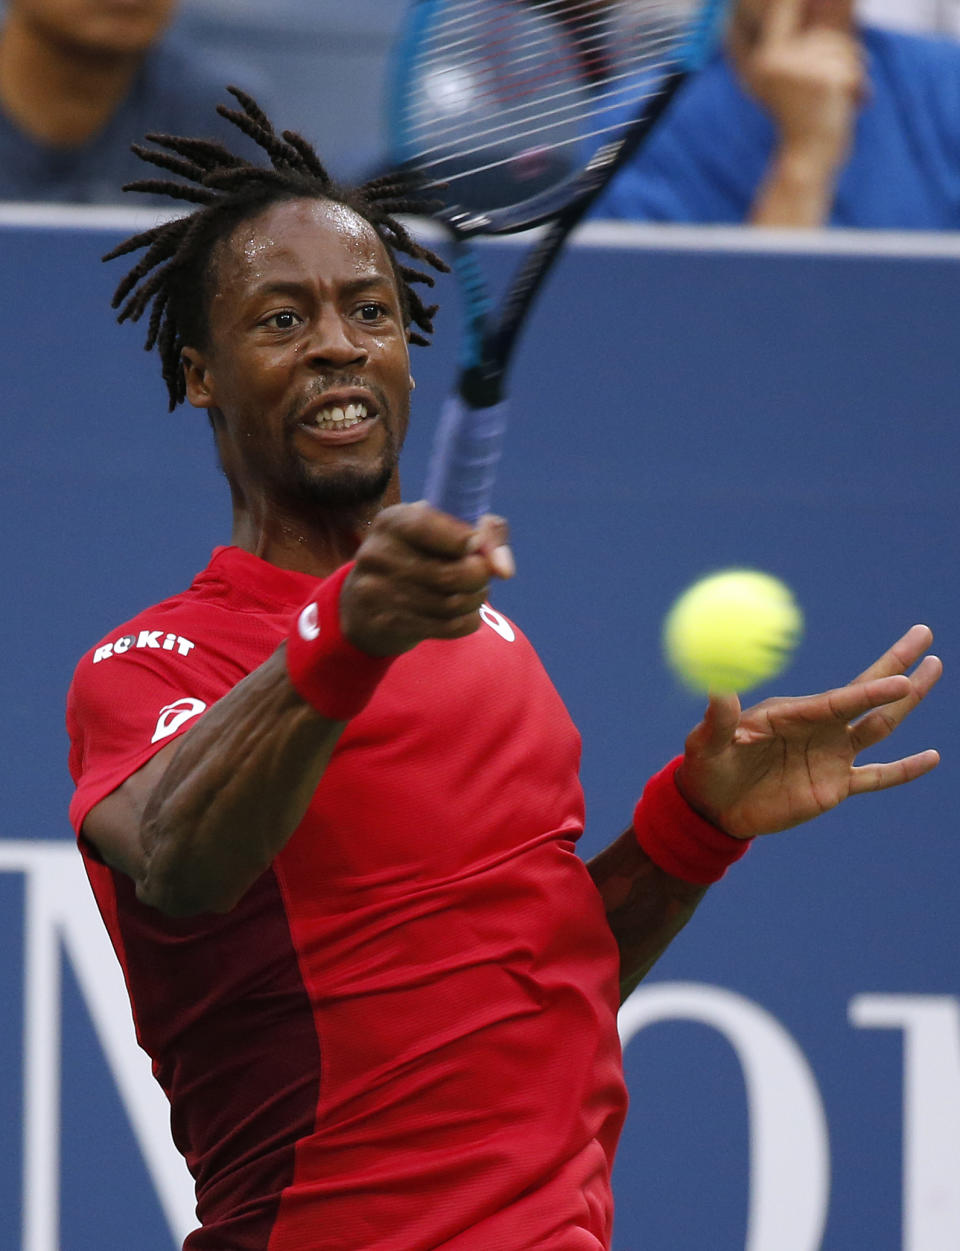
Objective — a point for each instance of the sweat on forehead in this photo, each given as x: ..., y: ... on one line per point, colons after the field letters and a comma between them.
x: 297, y: 235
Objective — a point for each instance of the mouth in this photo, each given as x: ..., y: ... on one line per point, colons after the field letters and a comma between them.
x: 339, y: 414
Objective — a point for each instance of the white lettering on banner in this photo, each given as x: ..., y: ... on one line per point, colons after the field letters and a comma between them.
x: 62, y: 918
x: 789, y: 1148
x: 931, y: 1111
x: 155, y: 639
x: 789, y: 1142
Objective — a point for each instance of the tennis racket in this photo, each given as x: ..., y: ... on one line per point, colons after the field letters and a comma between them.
x: 516, y: 114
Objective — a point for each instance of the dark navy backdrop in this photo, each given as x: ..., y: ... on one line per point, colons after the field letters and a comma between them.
x: 676, y: 411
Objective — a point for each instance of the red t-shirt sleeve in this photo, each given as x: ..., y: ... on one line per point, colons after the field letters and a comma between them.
x: 124, y: 706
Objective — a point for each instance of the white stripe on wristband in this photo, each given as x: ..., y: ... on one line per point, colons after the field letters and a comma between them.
x: 324, y: 667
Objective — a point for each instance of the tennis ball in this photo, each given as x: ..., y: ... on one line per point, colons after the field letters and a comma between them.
x: 731, y: 630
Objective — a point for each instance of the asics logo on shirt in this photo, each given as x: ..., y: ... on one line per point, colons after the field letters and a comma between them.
x: 156, y: 639
x: 498, y: 623
x: 173, y: 716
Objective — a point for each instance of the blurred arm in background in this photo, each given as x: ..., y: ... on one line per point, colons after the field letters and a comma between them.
x: 802, y: 61
x: 806, y: 118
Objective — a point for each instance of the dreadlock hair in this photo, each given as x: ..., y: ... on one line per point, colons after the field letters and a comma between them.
x: 175, y: 269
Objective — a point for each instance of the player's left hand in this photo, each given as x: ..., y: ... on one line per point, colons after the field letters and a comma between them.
x: 786, y: 760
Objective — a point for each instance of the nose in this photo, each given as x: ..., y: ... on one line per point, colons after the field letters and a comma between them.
x: 334, y: 343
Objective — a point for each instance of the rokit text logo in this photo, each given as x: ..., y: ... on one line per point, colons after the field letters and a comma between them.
x: 146, y: 638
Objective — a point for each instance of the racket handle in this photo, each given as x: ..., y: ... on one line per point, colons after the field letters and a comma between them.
x: 466, y: 452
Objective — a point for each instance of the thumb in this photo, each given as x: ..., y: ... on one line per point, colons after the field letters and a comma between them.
x: 719, y: 724
x: 491, y: 539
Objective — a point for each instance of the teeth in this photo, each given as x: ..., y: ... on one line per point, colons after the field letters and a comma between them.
x: 336, y: 418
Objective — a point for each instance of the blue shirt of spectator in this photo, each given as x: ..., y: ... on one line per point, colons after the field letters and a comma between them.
x: 176, y: 91
x: 707, y: 159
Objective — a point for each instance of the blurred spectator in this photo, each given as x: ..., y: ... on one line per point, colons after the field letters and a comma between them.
x: 806, y: 118
x: 80, y: 80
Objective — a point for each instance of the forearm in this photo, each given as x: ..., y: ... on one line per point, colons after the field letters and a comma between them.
x: 199, y: 822
x: 652, y: 878
x: 797, y: 191
x: 232, y: 795
x: 646, y: 907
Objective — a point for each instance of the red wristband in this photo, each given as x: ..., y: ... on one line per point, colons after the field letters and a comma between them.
x: 324, y: 667
x: 679, y: 840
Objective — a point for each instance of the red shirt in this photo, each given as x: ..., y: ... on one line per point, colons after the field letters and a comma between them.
x: 404, y: 1035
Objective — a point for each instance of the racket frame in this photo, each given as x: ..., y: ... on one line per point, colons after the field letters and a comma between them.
x: 472, y: 426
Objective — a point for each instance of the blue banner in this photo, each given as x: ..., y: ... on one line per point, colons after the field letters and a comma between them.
x: 794, y: 1059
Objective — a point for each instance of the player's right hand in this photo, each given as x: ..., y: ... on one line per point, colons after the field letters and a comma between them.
x: 421, y: 574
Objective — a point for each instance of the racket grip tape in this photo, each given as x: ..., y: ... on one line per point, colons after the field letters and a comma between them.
x: 466, y: 452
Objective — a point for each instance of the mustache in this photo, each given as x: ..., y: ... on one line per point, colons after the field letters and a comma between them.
x: 330, y: 382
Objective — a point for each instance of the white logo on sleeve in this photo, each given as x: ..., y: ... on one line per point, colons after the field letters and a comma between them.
x: 308, y: 623
x: 174, y: 715
x: 498, y: 623
x: 152, y: 639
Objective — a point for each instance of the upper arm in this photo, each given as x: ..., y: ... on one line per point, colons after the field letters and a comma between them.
x: 113, y: 826
x: 127, y: 708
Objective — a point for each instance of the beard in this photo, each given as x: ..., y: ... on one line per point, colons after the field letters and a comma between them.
x: 331, y: 488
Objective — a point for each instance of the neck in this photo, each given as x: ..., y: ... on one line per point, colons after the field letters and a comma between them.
x: 60, y: 94
x: 318, y: 544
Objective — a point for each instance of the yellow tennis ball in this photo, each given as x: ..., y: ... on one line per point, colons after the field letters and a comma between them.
x: 732, y: 630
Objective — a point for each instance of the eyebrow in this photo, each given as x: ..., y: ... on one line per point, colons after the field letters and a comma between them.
x: 296, y: 287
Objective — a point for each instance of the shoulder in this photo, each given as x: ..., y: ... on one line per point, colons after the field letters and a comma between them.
x: 912, y: 48
x: 156, y: 629
x: 199, y: 642
x: 191, y: 82
x: 913, y: 59
x: 164, y: 629
x: 180, y: 88
x: 165, y: 635
x: 702, y: 161
x: 143, y: 683
x: 919, y: 74
x: 716, y: 85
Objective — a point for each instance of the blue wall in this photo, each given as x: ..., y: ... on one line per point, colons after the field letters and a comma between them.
x: 677, y: 410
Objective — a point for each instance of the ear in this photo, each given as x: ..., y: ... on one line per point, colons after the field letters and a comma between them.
x: 198, y: 378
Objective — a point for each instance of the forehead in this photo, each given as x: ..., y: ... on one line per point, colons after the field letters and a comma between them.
x: 302, y: 240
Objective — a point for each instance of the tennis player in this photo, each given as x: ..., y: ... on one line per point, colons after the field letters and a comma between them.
x: 327, y: 797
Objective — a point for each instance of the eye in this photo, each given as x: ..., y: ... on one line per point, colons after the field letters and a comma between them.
x: 372, y: 311
x: 286, y: 319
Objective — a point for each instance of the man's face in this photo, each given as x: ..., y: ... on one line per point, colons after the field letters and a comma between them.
x: 307, y: 370
x: 105, y: 26
x: 835, y: 13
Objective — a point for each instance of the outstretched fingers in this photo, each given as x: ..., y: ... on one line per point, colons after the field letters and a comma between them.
x: 848, y: 703
x: 882, y: 721
x: 880, y: 777
x: 905, y: 653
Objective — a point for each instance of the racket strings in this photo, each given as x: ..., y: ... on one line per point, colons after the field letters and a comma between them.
x: 494, y: 81
x: 619, y: 89
x: 561, y: 15
x: 441, y: 155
